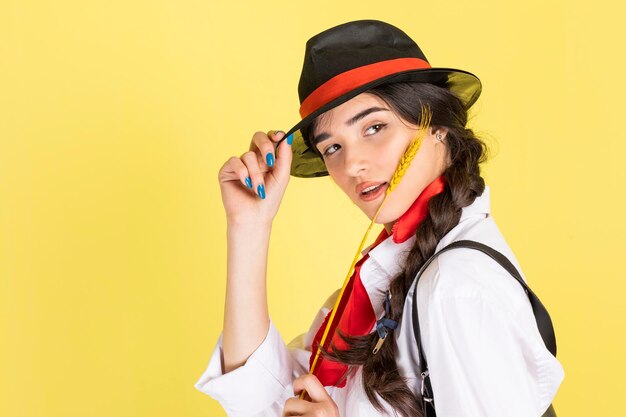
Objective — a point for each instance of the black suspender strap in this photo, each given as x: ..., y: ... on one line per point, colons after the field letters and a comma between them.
x: 544, y: 323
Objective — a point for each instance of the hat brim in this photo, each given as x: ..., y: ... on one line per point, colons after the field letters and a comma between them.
x: 306, y: 163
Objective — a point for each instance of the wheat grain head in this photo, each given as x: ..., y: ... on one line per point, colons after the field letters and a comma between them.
x: 412, y: 149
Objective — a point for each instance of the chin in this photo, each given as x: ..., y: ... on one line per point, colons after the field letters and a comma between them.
x: 382, y: 219
x: 385, y: 216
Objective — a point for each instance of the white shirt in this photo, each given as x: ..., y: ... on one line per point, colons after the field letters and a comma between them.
x: 485, y: 355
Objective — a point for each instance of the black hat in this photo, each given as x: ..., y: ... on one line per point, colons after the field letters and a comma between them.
x: 346, y: 60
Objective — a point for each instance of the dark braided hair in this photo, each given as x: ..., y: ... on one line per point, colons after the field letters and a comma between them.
x: 463, y: 185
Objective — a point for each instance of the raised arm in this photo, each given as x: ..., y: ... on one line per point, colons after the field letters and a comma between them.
x: 246, y: 318
x: 252, y: 188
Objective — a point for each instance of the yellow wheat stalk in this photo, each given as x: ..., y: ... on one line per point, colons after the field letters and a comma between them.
x: 403, y: 165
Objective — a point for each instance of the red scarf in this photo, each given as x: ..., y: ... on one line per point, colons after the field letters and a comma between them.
x: 355, y: 314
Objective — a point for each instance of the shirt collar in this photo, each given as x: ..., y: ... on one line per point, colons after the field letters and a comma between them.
x: 391, y: 255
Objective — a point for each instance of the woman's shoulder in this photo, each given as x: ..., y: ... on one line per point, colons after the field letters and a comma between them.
x: 469, y: 273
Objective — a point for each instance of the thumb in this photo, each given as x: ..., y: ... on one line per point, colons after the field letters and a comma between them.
x: 284, y: 156
x: 312, y: 386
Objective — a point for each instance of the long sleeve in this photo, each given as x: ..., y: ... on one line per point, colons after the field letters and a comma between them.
x: 485, y: 355
x: 263, y: 383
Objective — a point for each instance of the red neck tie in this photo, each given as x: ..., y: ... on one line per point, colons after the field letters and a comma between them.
x: 355, y: 314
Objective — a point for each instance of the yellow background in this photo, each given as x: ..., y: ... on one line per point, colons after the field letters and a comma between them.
x: 115, y: 117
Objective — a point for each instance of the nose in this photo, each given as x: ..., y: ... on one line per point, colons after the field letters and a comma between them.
x: 355, y: 161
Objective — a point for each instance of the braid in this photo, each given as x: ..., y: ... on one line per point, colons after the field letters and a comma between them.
x: 381, y: 377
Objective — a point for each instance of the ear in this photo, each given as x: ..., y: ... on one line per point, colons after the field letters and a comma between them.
x: 434, y: 130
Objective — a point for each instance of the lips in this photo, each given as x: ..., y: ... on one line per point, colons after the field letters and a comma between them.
x: 362, y: 186
x: 374, y: 194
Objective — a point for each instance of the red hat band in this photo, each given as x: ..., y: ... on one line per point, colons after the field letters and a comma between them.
x: 349, y: 80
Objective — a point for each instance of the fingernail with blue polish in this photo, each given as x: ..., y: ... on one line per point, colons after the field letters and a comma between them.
x: 289, y: 139
x: 261, y: 190
x: 270, y: 159
x: 248, y: 182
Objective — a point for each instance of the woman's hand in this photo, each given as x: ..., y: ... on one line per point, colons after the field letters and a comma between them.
x: 321, y: 405
x: 244, y: 204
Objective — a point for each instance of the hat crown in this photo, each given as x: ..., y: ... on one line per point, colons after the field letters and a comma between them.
x: 351, y: 45
x: 355, y: 57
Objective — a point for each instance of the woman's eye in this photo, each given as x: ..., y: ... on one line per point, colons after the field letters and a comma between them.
x: 378, y: 127
x: 326, y: 150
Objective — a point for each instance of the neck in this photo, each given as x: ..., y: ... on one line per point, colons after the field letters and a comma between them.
x: 407, y: 223
x: 389, y: 226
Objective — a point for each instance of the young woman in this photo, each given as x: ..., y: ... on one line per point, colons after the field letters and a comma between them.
x: 361, y: 90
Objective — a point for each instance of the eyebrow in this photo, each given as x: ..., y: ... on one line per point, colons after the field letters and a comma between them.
x: 325, y: 135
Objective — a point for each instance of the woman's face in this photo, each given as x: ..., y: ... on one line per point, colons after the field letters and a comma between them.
x: 362, y: 141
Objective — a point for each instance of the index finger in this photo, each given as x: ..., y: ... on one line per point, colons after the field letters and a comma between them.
x: 265, y: 144
x: 259, y: 138
x: 275, y: 135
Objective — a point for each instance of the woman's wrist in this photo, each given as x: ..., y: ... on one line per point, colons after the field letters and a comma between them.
x: 248, y: 224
